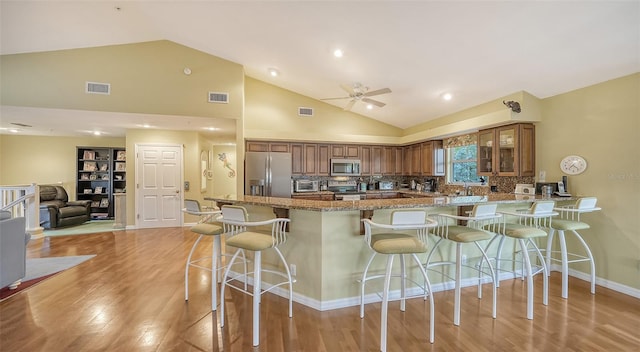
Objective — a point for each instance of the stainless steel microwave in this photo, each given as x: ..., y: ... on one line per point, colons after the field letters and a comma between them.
x: 345, y: 167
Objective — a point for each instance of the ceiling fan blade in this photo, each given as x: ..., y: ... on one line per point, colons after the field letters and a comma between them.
x: 335, y: 98
x: 374, y: 102
x: 347, y: 88
x: 377, y: 92
x: 349, y: 105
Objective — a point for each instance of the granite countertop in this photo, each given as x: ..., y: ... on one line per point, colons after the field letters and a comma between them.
x: 372, y: 204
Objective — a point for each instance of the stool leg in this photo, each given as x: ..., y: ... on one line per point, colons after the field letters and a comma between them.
x: 403, y: 284
x: 385, y: 304
x: 593, y: 264
x: 362, y: 283
x: 215, y: 256
x: 224, y: 284
x: 458, y: 278
x: 492, y: 272
x: 545, y: 276
x: 549, y: 249
x: 527, y: 264
x: 431, y: 304
x: 499, y: 256
x: 186, y: 269
x: 565, y: 264
x: 257, y: 277
x: 289, y: 278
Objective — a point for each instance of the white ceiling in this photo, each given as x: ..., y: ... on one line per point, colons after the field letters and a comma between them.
x: 476, y: 50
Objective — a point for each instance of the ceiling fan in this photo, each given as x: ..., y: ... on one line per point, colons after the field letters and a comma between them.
x: 358, y: 92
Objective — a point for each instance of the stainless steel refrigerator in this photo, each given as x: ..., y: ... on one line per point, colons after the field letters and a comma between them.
x: 267, y: 174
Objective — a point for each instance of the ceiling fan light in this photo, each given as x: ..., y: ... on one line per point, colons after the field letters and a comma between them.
x: 338, y: 53
x: 369, y: 106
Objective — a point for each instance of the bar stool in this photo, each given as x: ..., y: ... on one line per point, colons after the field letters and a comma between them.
x: 481, y: 215
x: 234, y: 220
x: 530, y: 225
x: 392, y: 243
x: 570, y: 221
x: 204, y: 228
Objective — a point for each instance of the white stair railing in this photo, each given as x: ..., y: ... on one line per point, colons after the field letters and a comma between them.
x: 23, y: 200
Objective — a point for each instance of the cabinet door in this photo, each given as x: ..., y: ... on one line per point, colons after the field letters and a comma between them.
x: 323, y: 160
x: 337, y: 151
x: 485, y: 152
x: 253, y: 146
x: 407, y: 156
x: 310, y: 159
x: 297, y: 159
x: 352, y: 151
x: 389, y: 164
x: 398, y: 160
x: 527, y: 149
x: 377, y: 160
x: 416, y: 159
x: 507, y: 160
x: 365, y: 158
x: 279, y: 147
x: 439, y: 165
x: 426, y: 158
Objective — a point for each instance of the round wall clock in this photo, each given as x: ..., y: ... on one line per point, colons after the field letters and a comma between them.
x: 573, y: 165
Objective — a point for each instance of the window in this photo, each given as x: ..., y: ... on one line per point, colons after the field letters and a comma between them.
x: 462, y: 164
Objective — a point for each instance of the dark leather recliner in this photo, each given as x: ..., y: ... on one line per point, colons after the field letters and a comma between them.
x: 57, y: 211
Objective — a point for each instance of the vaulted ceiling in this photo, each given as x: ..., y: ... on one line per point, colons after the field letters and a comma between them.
x: 476, y: 50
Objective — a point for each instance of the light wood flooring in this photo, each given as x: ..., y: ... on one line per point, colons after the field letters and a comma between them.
x: 130, y: 297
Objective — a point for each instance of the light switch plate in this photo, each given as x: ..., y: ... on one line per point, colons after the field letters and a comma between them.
x: 542, y: 176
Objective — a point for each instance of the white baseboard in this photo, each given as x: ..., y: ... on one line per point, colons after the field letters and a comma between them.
x: 417, y: 291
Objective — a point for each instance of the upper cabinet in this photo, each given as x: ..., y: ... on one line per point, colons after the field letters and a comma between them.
x: 432, y: 159
x: 342, y: 151
x: 304, y: 159
x: 257, y: 146
x: 507, y: 151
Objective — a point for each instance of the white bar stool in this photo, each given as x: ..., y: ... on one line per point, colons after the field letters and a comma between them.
x: 570, y: 221
x: 204, y: 228
x: 234, y: 220
x: 530, y: 225
x: 392, y: 243
x: 481, y: 215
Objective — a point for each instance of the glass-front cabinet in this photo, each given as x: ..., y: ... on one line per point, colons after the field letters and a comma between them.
x: 507, y: 151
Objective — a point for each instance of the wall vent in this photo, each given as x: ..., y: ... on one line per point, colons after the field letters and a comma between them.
x: 219, y: 97
x: 98, y: 88
x: 305, y: 111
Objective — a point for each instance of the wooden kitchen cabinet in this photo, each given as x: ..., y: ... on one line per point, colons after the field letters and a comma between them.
x: 416, y: 159
x: 407, y: 156
x: 432, y: 158
x: 259, y: 146
x: 507, y: 151
x: 365, y: 160
x: 297, y: 159
x: 323, y: 168
x: 389, y: 161
x: 345, y: 151
x: 377, y: 160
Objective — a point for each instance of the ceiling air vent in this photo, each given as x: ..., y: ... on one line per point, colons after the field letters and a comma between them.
x: 98, y: 88
x: 305, y: 111
x: 218, y: 97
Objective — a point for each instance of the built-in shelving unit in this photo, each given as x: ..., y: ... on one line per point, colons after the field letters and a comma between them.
x: 101, y: 172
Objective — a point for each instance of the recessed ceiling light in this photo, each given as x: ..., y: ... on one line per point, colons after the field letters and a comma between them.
x: 338, y: 53
x: 273, y: 72
x: 97, y: 133
x: 13, y: 130
x: 447, y: 96
x: 211, y: 128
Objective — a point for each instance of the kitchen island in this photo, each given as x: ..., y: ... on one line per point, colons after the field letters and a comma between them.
x: 326, y: 247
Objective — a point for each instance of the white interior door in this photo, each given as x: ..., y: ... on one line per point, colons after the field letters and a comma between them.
x: 159, y: 186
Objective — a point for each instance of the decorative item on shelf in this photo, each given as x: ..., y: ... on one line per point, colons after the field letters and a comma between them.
x: 89, y: 166
x: 89, y: 155
x: 118, y: 177
x: 104, y: 167
x: 84, y: 176
x: 120, y: 166
x: 95, y: 204
x: 105, y: 177
x: 87, y: 191
x: 118, y: 190
x: 98, y: 190
x: 104, y: 202
x: 93, y: 177
x: 121, y: 155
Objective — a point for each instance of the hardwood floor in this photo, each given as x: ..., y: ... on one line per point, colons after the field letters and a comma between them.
x: 130, y: 297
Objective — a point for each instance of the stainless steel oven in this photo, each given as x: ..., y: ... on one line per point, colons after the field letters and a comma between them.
x: 345, y: 167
